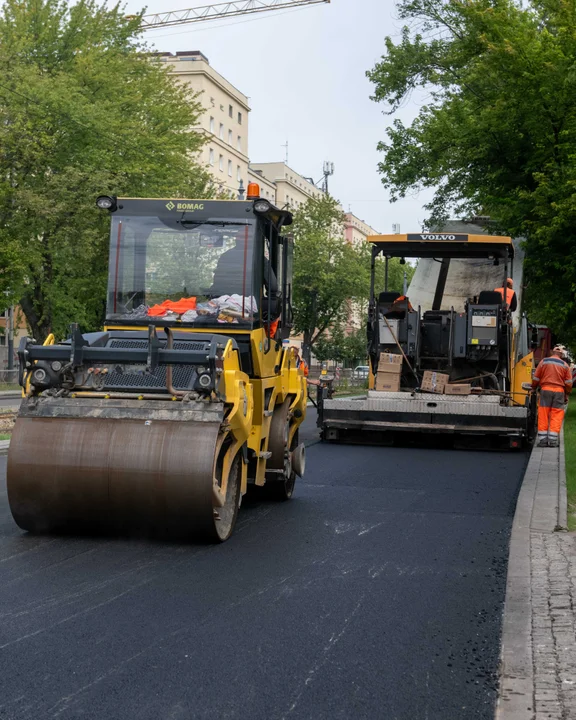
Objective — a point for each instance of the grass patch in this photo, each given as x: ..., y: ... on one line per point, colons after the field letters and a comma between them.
x: 570, y: 450
x: 9, y: 386
x: 5, y: 436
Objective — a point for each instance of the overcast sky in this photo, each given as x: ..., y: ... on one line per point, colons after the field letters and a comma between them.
x: 304, y: 72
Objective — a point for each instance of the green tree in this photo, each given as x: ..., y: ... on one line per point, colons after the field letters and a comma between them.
x: 84, y: 110
x: 497, y: 131
x: 349, y: 349
x: 328, y: 271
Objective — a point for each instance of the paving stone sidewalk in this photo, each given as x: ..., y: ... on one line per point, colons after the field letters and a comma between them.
x: 538, y: 679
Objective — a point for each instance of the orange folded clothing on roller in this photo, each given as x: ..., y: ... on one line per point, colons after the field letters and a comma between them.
x: 176, y: 306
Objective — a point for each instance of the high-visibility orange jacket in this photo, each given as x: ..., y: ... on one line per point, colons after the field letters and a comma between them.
x: 553, y: 374
x: 510, y: 297
x: 400, y: 300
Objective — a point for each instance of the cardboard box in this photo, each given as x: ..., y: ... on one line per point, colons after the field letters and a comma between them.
x: 390, y: 362
x: 387, y: 382
x: 460, y: 389
x: 434, y: 382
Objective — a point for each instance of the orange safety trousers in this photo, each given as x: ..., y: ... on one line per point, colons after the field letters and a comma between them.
x: 550, y: 412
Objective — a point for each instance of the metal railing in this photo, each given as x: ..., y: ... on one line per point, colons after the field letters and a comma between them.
x: 8, y: 377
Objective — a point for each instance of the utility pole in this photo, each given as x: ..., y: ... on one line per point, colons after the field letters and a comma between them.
x: 10, y: 333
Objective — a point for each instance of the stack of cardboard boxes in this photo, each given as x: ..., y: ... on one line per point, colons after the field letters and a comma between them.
x: 435, y: 382
x: 389, y: 373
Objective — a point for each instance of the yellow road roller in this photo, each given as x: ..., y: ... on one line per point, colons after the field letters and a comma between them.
x: 190, y: 394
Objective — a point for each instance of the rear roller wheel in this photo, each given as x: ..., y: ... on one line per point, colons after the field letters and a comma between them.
x: 286, y: 462
x: 225, y: 516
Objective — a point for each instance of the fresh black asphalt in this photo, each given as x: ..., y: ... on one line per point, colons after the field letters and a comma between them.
x: 377, y: 592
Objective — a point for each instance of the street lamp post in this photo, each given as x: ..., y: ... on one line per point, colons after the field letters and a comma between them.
x: 10, y: 333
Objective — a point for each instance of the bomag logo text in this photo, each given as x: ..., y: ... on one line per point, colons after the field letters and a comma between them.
x: 189, y: 207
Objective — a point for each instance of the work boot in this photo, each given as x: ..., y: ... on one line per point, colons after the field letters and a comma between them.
x: 553, y: 442
x: 542, y: 442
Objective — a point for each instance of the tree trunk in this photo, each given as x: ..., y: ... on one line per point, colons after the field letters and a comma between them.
x: 307, y: 347
x: 39, y: 326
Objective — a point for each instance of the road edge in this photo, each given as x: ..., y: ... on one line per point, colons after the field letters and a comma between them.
x: 541, y: 506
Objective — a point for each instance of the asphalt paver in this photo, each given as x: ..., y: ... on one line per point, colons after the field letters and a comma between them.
x: 377, y: 592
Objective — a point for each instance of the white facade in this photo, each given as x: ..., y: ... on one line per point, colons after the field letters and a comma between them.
x: 224, y: 120
x: 292, y: 189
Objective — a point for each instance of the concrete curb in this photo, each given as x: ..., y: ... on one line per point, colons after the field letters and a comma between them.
x: 541, y: 507
x: 4, y: 445
x: 516, y: 668
x: 562, y: 490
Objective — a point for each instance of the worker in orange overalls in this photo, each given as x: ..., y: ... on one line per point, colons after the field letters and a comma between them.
x: 554, y: 379
x: 510, y: 296
x: 300, y: 362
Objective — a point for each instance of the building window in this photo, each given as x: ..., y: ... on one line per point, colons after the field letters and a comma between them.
x: 239, y: 118
x: 221, y: 131
x: 239, y: 143
x: 229, y: 168
x: 211, y: 154
x: 238, y: 173
x: 230, y: 111
x: 212, y: 125
x: 221, y: 163
x: 229, y: 137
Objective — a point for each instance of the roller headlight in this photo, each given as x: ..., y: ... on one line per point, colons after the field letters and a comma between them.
x: 205, y: 381
x: 39, y: 375
x: 262, y: 206
x: 106, y: 202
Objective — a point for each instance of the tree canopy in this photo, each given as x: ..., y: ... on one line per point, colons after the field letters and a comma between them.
x: 84, y: 111
x: 331, y: 277
x: 496, y: 132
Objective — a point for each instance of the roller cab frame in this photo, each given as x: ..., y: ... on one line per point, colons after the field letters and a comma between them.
x: 476, y: 344
x: 188, y: 397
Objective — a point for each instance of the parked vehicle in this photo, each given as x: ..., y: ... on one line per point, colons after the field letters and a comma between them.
x: 361, y: 372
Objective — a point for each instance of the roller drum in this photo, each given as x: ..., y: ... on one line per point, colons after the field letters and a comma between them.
x: 118, y: 475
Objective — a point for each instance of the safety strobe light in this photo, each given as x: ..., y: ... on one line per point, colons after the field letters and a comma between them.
x: 105, y: 202
x: 262, y: 206
x: 253, y: 191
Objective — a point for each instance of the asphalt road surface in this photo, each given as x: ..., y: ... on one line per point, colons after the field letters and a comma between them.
x: 376, y: 592
x: 10, y: 401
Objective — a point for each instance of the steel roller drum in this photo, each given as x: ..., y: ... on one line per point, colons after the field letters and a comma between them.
x: 114, y: 475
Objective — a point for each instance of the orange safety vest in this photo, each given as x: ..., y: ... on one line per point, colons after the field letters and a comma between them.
x: 401, y: 300
x: 509, y: 294
x: 271, y: 328
x: 553, y: 374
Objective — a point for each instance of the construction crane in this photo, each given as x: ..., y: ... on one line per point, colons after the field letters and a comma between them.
x: 219, y: 11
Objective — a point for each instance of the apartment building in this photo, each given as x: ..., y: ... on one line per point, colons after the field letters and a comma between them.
x: 224, y: 118
x: 292, y: 189
x: 357, y: 231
